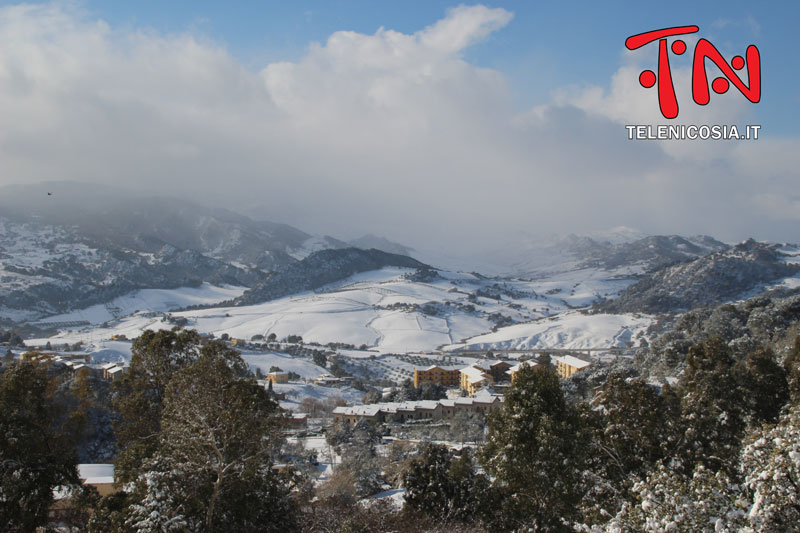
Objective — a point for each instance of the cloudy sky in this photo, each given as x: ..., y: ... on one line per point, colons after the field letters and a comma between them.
x: 435, y: 124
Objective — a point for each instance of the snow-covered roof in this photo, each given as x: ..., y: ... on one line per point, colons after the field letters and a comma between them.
x: 116, y: 370
x: 387, y: 408
x: 360, y: 410
x: 573, y: 361
x: 484, y: 395
x: 518, y: 366
x: 474, y: 374
x: 108, y: 366
x: 432, y: 367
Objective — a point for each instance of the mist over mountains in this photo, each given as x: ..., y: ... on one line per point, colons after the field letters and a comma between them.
x: 66, y: 246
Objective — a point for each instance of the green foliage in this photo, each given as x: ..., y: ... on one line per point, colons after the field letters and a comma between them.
x: 139, y: 394
x: 765, y: 386
x: 36, y: 455
x: 636, y: 427
x: 792, y: 367
x: 535, y: 451
x: 212, y: 470
x: 770, y: 468
x: 632, y: 428
x: 713, y: 407
x: 443, y: 486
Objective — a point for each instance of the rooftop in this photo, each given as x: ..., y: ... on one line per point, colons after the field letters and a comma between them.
x: 573, y: 361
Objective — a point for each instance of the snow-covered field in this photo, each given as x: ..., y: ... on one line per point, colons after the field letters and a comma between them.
x: 568, y: 330
x: 384, y: 311
x: 287, y: 363
x: 150, y: 300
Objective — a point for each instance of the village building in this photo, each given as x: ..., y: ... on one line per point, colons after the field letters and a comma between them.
x: 474, y: 378
x: 116, y: 372
x: 99, y: 476
x: 567, y: 365
x: 484, y: 402
x: 512, y: 372
x: 278, y: 377
x: 440, y: 375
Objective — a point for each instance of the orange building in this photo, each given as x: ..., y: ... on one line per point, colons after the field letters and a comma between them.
x: 568, y: 365
x: 445, y: 376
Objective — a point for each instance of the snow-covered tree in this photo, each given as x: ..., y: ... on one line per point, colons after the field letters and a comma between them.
x: 139, y: 395
x: 35, y: 456
x: 764, y: 382
x: 791, y: 364
x: 213, y: 467
x: 770, y: 469
x: 713, y: 408
x: 633, y: 426
x: 444, y: 487
x: 159, y: 509
x: 670, y: 501
x: 535, y: 452
x: 638, y: 426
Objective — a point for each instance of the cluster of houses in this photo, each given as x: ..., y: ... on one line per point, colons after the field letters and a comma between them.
x: 483, y: 402
x: 75, y: 362
x: 484, y: 374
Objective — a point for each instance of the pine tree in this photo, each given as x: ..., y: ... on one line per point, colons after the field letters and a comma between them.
x: 638, y: 427
x: 212, y: 470
x: 792, y: 367
x: 713, y: 407
x: 35, y: 456
x: 444, y: 487
x: 535, y: 452
x: 770, y: 467
x: 632, y: 427
x: 765, y: 386
x: 668, y: 500
x: 139, y: 394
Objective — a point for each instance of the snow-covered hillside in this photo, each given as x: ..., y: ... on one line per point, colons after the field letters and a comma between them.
x: 571, y: 330
x: 150, y: 301
x: 388, y: 310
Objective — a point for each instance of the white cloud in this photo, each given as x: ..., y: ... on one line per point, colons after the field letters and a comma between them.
x: 388, y: 133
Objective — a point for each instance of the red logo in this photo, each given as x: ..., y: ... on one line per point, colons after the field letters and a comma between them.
x: 702, y: 51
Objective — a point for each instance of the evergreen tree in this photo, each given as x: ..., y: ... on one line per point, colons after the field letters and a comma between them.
x: 535, y: 453
x: 638, y: 427
x: 212, y: 470
x: 792, y: 367
x: 139, y: 395
x: 765, y: 386
x: 770, y: 467
x: 632, y: 428
x: 35, y: 455
x: 668, y: 500
x: 444, y: 487
x: 713, y: 406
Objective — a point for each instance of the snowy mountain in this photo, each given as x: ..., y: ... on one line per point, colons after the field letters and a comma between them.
x: 625, y: 252
x: 709, y: 280
x: 46, y: 270
x: 390, y: 310
x: 321, y: 268
x: 82, y: 254
x: 118, y: 218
